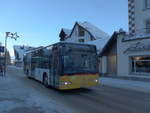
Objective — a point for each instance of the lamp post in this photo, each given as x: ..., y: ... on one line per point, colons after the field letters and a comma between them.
x: 12, y: 36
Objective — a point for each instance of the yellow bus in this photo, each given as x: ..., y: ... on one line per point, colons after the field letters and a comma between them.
x: 63, y: 65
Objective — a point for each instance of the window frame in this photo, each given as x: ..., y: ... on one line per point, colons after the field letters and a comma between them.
x: 133, y: 70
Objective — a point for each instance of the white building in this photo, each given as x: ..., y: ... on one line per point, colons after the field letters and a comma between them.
x: 127, y: 54
x: 85, y: 33
x: 139, y: 16
x: 19, y: 53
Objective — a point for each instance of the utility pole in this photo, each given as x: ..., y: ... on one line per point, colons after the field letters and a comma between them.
x: 12, y: 36
x: 5, y: 53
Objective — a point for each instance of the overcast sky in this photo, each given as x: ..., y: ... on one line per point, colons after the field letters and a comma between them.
x: 38, y: 22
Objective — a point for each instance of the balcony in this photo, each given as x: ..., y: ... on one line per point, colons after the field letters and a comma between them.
x: 139, y: 34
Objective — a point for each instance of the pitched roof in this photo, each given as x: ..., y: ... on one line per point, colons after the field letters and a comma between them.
x: 99, y: 43
x: 100, y: 36
x: 96, y: 32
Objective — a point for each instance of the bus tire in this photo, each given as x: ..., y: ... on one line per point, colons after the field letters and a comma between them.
x: 45, y: 80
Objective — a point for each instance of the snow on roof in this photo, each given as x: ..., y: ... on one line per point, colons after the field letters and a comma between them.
x: 67, y: 31
x: 99, y: 43
x: 96, y: 32
x: 136, y: 36
x: 21, y: 50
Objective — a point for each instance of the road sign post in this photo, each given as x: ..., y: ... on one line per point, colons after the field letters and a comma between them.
x: 8, y: 35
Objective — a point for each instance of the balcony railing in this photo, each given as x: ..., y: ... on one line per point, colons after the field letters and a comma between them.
x: 141, y: 33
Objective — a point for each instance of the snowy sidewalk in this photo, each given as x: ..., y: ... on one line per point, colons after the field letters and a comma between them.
x: 16, y: 96
x: 126, y: 84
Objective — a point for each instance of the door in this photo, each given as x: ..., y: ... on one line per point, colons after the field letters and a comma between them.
x: 112, y: 65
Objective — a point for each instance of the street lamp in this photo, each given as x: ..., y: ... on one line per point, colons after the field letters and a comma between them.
x: 12, y: 36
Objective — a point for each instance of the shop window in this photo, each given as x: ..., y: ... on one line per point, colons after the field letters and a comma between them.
x: 140, y: 64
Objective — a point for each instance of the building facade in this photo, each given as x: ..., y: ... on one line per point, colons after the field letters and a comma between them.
x: 134, y: 48
x: 133, y: 55
x: 139, y: 16
x: 108, y: 57
x: 127, y: 54
x: 85, y: 32
x: 19, y: 52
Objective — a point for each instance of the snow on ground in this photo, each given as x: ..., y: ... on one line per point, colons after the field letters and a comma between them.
x: 126, y: 84
x: 15, y: 97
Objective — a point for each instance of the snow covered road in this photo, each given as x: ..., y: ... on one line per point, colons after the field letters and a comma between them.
x: 21, y: 95
x: 17, y: 96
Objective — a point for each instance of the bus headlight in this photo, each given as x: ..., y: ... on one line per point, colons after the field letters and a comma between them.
x: 65, y: 83
x: 96, y: 80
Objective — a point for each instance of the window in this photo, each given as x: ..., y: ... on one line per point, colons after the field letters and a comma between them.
x: 80, y: 62
x: 147, y: 4
x: 81, y: 31
x: 81, y: 40
x: 92, y: 38
x: 148, y: 26
x: 140, y: 64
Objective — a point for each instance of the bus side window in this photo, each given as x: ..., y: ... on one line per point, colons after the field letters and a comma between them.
x: 46, y: 64
x: 66, y: 58
x: 50, y: 61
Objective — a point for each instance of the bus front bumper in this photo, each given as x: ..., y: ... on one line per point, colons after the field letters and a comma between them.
x: 78, y: 81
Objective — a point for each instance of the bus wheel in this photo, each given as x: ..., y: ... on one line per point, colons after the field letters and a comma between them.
x: 45, y: 80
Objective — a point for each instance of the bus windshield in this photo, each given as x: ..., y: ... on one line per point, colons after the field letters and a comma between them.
x: 80, y: 63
